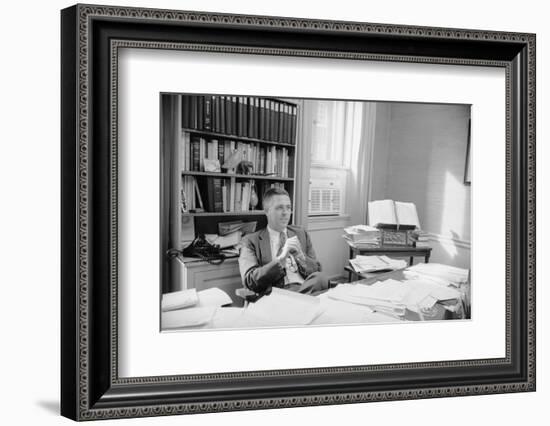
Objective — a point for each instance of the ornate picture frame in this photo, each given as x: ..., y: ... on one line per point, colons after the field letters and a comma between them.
x: 91, y: 37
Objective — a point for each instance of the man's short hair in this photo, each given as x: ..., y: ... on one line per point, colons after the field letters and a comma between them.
x: 270, y: 193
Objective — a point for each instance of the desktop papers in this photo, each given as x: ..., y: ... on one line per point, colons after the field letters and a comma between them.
x: 383, y: 296
x: 394, y: 297
x: 436, y: 272
x: 283, y: 308
x: 363, y: 264
x: 179, y: 299
x: 188, y: 317
x: 213, y: 297
x: 190, y: 297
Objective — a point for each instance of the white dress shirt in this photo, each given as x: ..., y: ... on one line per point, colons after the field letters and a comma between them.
x: 291, y: 277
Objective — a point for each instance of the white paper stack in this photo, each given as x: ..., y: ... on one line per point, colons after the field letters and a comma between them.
x: 394, y: 297
x: 362, y: 235
x: 189, y: 308
x: 189, y: 317
x: 179, y: 299
x: 438, y: 273
x: 283, y: 308
x: 363, y: 264
x: 384, y: 296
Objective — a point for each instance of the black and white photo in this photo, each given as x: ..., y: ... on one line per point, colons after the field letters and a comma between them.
x: 302, y: 212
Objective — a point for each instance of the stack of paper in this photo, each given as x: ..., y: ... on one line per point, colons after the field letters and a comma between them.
x: 386, y: 297
x: 283, y: 308
x: 362, y: 235
x: 363, y: 264
x: 394, y: 297
x: 189, y: 308
x: 189, y: 317
x: 436, y: 272
x: 179, y: 300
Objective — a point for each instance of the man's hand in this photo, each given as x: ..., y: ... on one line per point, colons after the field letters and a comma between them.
x: 292, y: 246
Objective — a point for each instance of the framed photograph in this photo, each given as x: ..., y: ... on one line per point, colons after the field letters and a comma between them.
x: 263, y: 212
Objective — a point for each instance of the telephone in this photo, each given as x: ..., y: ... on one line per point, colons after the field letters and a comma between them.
x: 202, y: 249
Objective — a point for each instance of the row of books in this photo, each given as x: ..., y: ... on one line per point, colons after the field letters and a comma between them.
x: 243, y: 116
x: 219, y: 195
x: 266, y: 160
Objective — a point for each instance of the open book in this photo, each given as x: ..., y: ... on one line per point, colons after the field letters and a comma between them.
x: 389, y: 212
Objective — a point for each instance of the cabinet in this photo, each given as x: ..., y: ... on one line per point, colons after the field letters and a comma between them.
x: 199, y: 274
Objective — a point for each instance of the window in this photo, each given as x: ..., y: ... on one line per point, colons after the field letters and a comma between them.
x: 333, y: 131
x: 327, y: 133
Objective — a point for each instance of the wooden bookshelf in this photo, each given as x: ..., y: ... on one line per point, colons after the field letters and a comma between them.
x: 233, y: 137
x: 258, y: 131
x: 194, y: 127
x: 261, y: 130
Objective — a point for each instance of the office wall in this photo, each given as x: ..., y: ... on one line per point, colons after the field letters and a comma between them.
x: 330, y: 248
x: 420, y: 154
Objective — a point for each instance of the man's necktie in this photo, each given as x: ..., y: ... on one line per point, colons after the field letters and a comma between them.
x: 282, y: 241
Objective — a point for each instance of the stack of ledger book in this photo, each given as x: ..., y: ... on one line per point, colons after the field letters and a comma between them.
x: 362, y: 236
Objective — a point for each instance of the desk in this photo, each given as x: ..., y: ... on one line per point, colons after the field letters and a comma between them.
x: 392, y: 251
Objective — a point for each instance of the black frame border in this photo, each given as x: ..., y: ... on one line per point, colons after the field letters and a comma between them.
x: 90, y: 387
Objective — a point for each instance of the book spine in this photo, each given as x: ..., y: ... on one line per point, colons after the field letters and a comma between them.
x: 214, y: 107
x: 241, y: 128
x: 272, y: 122
x: 200, y: 112
x: 221, y: 152
x: 257, y: 121
x: 293, y: 125
x: 182, y: 152
x: 195, y: 153
x: 202, y: 153
x: 235, y: 112
x: 232, y: 195
x: 185, y: 111
x: 222, y: 108
x: 218, y: 196
x: 197, y: 193
x: 207, y: 125
x: 225, y: 206
x: 187, y: 147
x: 192, y: 112
x: 262, y: 123
x: 276, y: 122
x: 228, y: 116
x: 250, y: 117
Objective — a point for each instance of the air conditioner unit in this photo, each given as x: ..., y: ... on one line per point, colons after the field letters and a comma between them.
x: 325, y: 197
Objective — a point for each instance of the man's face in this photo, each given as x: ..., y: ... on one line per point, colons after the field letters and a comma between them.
x: 278, y: 213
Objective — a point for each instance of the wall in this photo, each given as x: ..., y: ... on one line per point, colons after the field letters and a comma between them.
x: 30, y: 199
x: 420, y: 154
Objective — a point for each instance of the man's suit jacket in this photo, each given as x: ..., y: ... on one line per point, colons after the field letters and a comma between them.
x: 260, y: 272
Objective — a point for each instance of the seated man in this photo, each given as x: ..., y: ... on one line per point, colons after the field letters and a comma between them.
x: 280, y: 255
